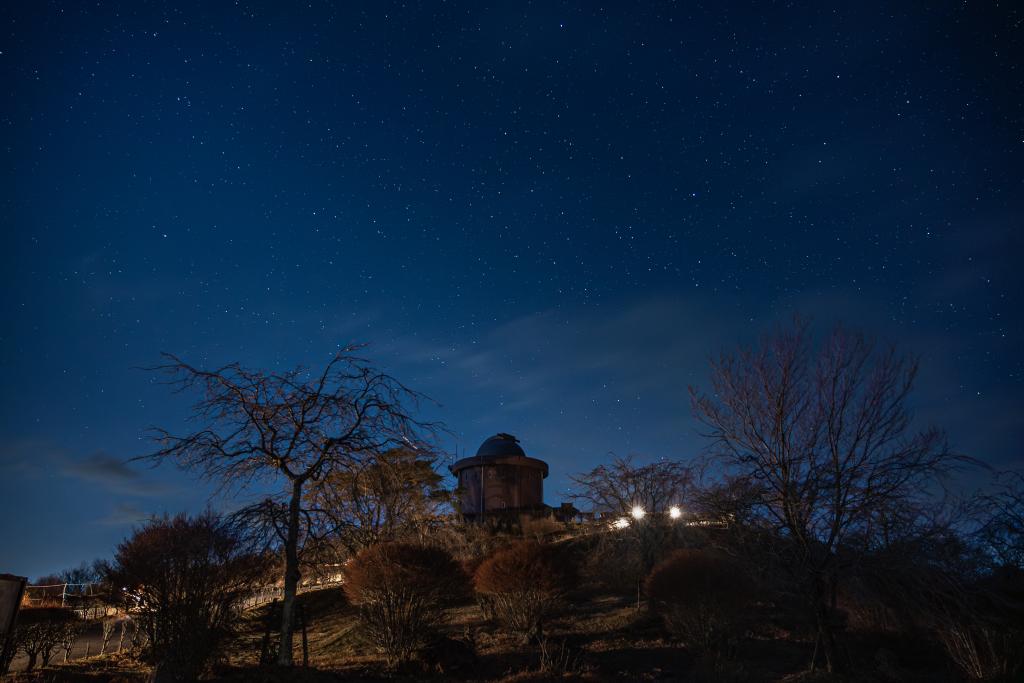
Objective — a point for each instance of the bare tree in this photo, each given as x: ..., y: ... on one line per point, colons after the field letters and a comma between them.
x: 1001, y: 529
x: 292, y: 427
x: 109, y: 626
x: 824, y: 436
x: 619, y: 487
x: 72, y: 630
x: 382, y: 497
x: 40, y: 631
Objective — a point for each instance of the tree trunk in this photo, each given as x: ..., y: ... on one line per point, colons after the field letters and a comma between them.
x: 291, y: 577
x: 825, y: 639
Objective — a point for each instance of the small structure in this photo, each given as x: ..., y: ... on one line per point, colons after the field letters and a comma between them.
x: 500, y: 480
x: 12, y: 588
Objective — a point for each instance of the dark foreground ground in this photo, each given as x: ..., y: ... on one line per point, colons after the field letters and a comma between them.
x: 604, y: 638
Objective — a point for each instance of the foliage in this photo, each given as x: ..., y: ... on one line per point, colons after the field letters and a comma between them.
x: 402, y: 592
x: 522, y: 584
x: 184, y: 578
x: 700, y: 596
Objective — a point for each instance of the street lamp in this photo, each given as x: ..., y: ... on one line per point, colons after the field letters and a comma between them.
x: 674, y: 512
x: 638, y: 512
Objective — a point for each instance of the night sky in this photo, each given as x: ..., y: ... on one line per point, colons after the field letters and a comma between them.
x: 545, y: 215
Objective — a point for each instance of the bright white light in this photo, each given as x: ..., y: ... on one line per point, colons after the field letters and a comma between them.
x: 674, y: 512
x: 638, y: 512
x: 620, y: 523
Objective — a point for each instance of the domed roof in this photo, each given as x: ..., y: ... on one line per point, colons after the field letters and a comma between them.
x: 500, y: 446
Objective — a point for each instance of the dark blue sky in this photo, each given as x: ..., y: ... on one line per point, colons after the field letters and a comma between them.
x: 546, y: 215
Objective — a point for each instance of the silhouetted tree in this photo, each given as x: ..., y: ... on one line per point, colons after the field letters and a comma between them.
x: 85, y: 573
x: 616, y: 488
x: 823, y: 437
x: 40, y: 631
x: 382, y: 497
x: 185, y: 577
x: 295, y: 427
x: 1002, y: 520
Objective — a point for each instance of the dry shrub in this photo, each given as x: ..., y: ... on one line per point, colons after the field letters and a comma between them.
x: 984, y: 652
x: 40, y: 630
x: 559, y: 659
x: 700, y: 596
x: 402, y: 592
x: 184, y: 578
x: 468, y: 542
x: 521, y: 585
x: 539, y: 528
x: 982, y: 626
x: 613, y: 564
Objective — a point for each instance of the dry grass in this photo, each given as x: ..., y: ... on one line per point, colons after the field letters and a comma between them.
x: 111, y: 668
x: 601, y: 638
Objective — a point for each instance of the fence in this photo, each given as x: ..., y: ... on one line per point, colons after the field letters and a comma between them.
x: 88, y: 600
x: 272, y: 593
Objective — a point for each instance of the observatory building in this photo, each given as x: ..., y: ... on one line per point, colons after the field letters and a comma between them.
x: 500, y: 478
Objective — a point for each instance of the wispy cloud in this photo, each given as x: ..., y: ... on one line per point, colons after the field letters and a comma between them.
x: 577, y: 384
x: 114, y: 475
x: 124, y: 514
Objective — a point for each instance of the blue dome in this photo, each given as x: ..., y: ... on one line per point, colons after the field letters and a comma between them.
x: 500, y: 446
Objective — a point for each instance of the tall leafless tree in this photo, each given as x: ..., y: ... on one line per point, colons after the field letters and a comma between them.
x: 825, y: 436
x: 292, y: 428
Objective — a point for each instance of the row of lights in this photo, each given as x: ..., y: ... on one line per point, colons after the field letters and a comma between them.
x: 639, y: 513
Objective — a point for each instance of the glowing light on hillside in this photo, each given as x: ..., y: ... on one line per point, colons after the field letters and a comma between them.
x: 638, y: 512
x: 674, y: 512
x: 620, y: 523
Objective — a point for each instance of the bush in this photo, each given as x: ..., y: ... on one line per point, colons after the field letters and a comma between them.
x: 402, y: 592
x: 700, y: 595
x: 984, y: 652
x: 40, y: 630
x: 521, y: 585
x: 539, y: 528
x: 468, y: 542
x: 185, y: 578
x: 613, y: 564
